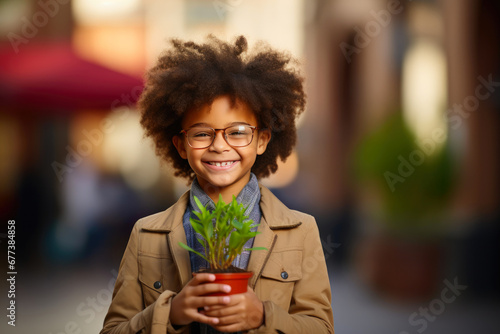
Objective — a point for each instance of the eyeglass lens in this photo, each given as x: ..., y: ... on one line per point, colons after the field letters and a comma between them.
x: 238, y: 136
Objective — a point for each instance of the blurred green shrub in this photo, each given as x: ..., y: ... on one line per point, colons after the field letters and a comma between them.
x: 413, y: 185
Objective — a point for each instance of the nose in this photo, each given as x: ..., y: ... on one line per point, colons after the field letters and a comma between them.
x: 219, y: 143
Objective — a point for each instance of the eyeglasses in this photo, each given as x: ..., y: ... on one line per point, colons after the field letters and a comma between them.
x: 236, y: 135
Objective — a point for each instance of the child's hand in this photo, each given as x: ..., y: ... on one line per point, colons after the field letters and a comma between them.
x: 185, y: 305
x: 244, y: 312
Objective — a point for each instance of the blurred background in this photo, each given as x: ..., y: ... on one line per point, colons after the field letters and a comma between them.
x: 397, y: 157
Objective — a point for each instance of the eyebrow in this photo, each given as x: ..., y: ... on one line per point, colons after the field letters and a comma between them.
x: 209, y: 126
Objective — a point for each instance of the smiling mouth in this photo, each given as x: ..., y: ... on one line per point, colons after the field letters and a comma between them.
x: 221, y: 163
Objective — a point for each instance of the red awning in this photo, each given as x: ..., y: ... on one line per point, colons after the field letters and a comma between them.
x: 52, y: 78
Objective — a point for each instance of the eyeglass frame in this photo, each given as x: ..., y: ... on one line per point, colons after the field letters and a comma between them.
x: 184, y: 132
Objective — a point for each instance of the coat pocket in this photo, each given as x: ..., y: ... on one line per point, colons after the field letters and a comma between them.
x: 278, y: 278
x: 151, y: 278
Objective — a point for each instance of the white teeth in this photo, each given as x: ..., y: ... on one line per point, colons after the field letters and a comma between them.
x: 221, y: 164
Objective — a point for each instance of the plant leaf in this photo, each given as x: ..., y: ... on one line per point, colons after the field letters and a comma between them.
x: 237, y: 224
x: 234, y: 240
x: 186, y: 247
x: 209, y: 229
x: 255, y: 248
x: 198, y: 228
x: 252, y: 234
x: 198, y: 203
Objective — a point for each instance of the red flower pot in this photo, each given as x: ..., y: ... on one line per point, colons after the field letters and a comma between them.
x: 237, y: 281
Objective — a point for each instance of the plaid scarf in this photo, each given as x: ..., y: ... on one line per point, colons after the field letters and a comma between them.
x: 250, y: 198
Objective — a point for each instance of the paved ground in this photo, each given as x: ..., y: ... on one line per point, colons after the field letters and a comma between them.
x: 359, y: 311
x: 74, y: 301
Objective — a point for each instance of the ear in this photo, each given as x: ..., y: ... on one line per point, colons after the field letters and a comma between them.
x: 264, y: 136
x: 179, y: 145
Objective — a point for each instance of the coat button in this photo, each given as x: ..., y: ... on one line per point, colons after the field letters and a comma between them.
x: 284, y: 275
x: 157, y: 284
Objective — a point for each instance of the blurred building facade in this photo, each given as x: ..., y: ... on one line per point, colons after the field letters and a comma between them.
x: 437, y: 64
x: 434, y: 62
x: 397, y: 155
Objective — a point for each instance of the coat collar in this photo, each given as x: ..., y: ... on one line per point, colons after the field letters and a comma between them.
x: 274, y: 213
x: 275, y: 216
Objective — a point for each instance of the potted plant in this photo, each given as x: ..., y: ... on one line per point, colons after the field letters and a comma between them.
x: 399, y: 252
x: 224, y: 232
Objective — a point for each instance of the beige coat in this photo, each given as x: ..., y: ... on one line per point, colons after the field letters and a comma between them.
x: 296, y: 302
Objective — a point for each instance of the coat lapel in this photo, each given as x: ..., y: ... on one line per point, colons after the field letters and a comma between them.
x: 176, y: 235
x: 259, y: 258
x: 179, y: 254
x: 171, y: 223
x: 275, y: 216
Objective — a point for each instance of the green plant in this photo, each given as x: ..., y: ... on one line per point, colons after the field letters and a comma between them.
x: 418, y: 200
x: 224, y: 231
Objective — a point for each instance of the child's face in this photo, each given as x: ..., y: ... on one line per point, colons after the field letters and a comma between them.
x: 221, y: 168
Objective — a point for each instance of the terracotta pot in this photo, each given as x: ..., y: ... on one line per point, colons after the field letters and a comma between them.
x: 237, y: 281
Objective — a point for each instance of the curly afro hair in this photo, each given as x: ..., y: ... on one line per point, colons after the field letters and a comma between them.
x: 190, y: 75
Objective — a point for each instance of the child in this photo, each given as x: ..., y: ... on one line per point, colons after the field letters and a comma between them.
x: 222, y: 118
